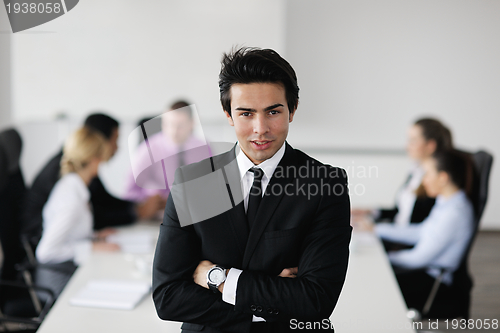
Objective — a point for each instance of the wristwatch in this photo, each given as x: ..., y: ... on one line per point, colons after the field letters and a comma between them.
x: 215, y: 277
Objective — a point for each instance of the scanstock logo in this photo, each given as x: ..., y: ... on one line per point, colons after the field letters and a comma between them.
x: 26, y: 14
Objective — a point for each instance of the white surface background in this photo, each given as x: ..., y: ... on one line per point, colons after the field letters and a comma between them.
x: 366, y: 71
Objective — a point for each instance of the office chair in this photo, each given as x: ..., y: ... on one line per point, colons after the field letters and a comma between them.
x: 17, y: 309
x: 18, y: 301
x: 11, y: 197
x: 455, y: 301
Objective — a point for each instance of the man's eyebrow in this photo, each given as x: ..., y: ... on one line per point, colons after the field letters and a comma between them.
x: 273, y: 106
x: 245, y: 109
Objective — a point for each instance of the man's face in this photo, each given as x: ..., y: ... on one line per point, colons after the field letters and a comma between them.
x: 177, y: 125
x: 260, y: 117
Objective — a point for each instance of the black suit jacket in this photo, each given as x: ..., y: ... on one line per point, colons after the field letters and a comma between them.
x: 297, y: 228
x: 108, y: 210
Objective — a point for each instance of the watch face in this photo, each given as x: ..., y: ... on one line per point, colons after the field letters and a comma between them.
x: 216, y: 276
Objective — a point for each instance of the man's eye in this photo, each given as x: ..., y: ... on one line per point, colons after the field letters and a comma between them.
x: 245, y: 114
x: 274, y: 112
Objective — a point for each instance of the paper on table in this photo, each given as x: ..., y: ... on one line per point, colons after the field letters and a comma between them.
x: 111, y: 294
x: 139, y: 242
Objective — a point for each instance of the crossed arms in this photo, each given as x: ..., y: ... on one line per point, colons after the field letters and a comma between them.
x: 312, y: 295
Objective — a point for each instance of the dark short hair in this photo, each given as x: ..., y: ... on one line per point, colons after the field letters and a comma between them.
x: 433, y: 129
x: 255, y: 65
x: 458, y: 165
x: 186, y: 108
x: 102, y: 123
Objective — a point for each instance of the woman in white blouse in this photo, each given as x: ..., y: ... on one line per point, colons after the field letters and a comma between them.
x: 440, y: 241
x: 67, y: 217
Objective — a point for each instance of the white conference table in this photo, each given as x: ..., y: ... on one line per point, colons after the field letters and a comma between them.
x: 370, y: 300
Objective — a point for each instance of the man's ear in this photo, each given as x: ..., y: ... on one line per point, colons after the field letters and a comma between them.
x: 229, y: 118
x: 290, y: 116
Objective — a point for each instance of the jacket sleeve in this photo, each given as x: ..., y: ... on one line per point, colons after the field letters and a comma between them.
x: 109, y: 211
x: 386, y: 215
x: 175, y: 294
x: 322, y: 268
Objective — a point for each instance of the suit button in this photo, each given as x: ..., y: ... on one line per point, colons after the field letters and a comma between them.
x: 270, y: 311
x: 253, y: 308
x: 259, y: 308
x: 276, y: 311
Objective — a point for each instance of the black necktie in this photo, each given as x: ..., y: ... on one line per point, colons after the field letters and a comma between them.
x: 254, y: 195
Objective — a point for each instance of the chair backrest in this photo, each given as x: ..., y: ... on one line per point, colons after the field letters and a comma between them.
x: 11, y: 196
x: 482, y: 168
x: 4, y: 174
x: 3, y: 181
x: 12, y: 145
x: 483, y: 162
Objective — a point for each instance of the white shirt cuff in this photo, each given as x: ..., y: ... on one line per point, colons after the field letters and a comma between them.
x: 230, y: 286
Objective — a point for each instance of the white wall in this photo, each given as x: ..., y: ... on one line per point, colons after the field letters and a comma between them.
x: 5, y: 87
x: 134, y: 57
x: 366, y: 70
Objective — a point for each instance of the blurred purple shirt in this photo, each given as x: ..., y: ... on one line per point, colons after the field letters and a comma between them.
x: 153, y: 167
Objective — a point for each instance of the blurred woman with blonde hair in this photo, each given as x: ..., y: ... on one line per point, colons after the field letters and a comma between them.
x: 67, y: 218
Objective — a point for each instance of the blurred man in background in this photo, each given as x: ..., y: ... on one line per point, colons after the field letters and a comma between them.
x: 160, y: 154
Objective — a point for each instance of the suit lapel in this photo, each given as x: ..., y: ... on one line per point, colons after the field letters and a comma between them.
x: 236, y: 217
x: 238, y: 222
x: 268, y: 205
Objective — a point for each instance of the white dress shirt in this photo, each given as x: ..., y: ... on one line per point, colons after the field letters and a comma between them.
x: 244, y: 165
x: 440, y: 240
x: 406, y: 197
x: 67, y: 223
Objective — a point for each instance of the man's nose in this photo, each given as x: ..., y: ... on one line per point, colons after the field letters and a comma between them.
x: 260, y: 125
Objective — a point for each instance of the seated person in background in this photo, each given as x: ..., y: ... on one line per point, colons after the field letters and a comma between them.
x: 175, y: 145
x: 440, y: 241
x: 108, y: 210
x: 413, y: 205
x: 67, y: 217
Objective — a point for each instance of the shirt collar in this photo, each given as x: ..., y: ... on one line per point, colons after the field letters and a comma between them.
x: 80, y: 186
x: 268, y: 166
x: 440, y: 200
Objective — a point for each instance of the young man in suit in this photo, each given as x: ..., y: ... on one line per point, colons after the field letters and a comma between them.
x: 272, y: 255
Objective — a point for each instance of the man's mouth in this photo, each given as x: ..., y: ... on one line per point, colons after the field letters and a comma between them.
x: 261, y: 144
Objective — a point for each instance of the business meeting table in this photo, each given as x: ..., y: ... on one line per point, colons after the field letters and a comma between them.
x: 370, y: 301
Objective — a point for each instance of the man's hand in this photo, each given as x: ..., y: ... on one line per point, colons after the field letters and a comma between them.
x: 289, y: 272
x: 200, y: 273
